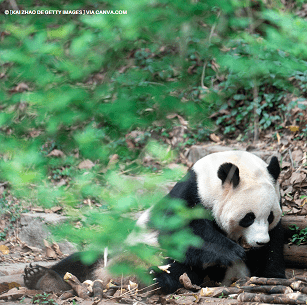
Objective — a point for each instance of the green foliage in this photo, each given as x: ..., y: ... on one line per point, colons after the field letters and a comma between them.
x: 43, y: 299
x: 300, y: 236
x: 79, y: 84
x: 259, y: 71
x: 240, y: 111
x: 11, y: 211
x: 197, y: 135
x: 111, y: 220
x: 271, y: 81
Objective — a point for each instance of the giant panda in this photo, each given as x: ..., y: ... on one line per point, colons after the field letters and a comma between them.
x: 243, y: 237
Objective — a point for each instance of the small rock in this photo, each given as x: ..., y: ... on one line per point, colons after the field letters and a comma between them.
x: 34, y: 229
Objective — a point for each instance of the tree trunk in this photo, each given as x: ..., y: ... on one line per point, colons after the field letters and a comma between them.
x: 295, y: 256
x: 286, y: 221
x: 300, y: 221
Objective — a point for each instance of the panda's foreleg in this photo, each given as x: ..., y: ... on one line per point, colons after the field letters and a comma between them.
x: 169, y: 281
x: 73, y: 264
x: 216, y: 249
x: 47, y: 279
x: 268, y: 261
x: 274, y: 264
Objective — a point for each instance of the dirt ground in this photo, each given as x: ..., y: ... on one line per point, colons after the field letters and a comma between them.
x: 12, y: 273
x: 15, y: 254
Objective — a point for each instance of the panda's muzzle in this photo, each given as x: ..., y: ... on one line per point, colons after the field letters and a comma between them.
x: 242, y: 242
x: 261, y: 244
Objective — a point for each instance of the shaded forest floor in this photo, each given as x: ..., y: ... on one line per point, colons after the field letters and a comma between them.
x: 14, y: 253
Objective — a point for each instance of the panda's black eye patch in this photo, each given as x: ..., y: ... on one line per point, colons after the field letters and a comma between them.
x: 247, y: 220
x: 271, y: 218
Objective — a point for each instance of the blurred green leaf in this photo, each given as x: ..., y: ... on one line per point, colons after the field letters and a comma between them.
x: 81, y: 84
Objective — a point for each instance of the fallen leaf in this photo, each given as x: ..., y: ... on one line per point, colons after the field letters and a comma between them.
x: 4, y: 249
x: 50, y: 253
x: 122, y: 69
x: 297, y: 155
x: 180, y: 118
x: 130, y: 144
x: 191, y: 69
x: 293, y: 128
x: 60, y: 183
x: 21, y: 87
x: 215, y: 66
x: 186, y: 282
x: 287, y: 174
x: 56, y: 248
x: 56, y: 153
x: 17, y: 293
x: 134, y: 138
x: 113, y: 159
x: 289, y: 189
x: 219, y: 113
x: 56, y: 209
x: 297, y: 177
x: 304, y: 209
x: 285, y: 164
x: 278, y: 138
x: 86, y: 164
x: 34, y: 133
x: 213, y: 137
x: 38, y: 210
x: 33, y: 249
x: 4, y: 287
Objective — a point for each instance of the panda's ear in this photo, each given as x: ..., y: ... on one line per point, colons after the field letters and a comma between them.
x: 230, y: 173
x: 273, y: 168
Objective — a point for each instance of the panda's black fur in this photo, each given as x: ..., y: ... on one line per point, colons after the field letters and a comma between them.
x: 218, y: 253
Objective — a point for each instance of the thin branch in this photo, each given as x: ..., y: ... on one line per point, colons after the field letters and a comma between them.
x: 209, y: 43
x: 256, y: 116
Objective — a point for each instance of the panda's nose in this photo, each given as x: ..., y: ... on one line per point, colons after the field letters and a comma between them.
x: 261, y: 244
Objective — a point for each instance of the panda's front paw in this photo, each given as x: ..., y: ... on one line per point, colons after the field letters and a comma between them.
x: 167, y: 283
x: 239, y: 251
x: 227, y: 256
x: 168, y: 280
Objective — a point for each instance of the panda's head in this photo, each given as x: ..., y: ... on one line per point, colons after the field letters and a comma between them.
x: 245, y: 199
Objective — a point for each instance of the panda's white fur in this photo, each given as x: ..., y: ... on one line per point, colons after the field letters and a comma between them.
x: 150, y: 237
x: 256, y: 192
x: 232, y: 185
